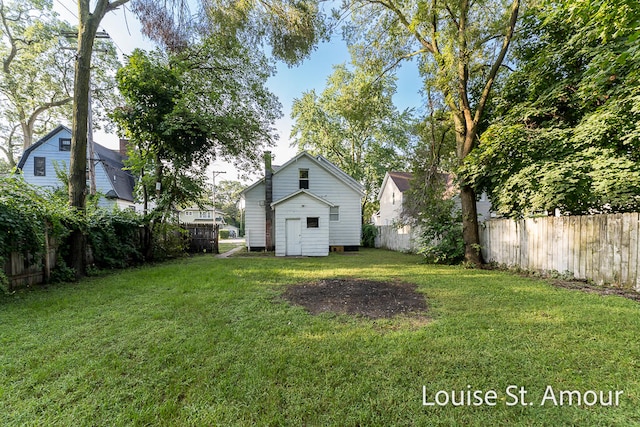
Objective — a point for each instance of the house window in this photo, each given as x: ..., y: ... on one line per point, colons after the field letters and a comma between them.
x: 313, y: 222
x: 334, y: 213
x: 393, y: 198
x: 65, y: 144
x: 39, y: 166
x: 303, y: 175
x: 205, y: 214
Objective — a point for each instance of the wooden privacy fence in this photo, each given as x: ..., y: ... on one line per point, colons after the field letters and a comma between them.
x: 601, y: 248
x: 401, y: 239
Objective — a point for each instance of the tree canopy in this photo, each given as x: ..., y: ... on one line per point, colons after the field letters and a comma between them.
x: 185, y: 109
x: 566, y: 130
x: 36, y: 79
x: 461, y: 46
x: 354, y: 124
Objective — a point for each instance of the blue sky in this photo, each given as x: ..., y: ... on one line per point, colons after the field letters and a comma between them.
x: 288, y: 84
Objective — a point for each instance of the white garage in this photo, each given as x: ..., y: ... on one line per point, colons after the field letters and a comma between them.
x: 302, y: 225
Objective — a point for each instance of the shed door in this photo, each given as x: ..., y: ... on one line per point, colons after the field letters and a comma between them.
x: 294, y: 237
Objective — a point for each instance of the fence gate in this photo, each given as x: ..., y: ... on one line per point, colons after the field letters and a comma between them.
x: 202, y: 237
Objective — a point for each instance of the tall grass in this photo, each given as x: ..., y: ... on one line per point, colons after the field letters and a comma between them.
x: 207, y: 341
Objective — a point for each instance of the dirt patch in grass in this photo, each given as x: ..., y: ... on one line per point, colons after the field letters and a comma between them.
x: 374, y: 300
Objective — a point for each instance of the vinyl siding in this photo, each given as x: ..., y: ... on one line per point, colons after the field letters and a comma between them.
x: 390, y: 212
x: 50, y: 150
x: 254, y: 216
x: 346, y: 231
x: 315, y: 241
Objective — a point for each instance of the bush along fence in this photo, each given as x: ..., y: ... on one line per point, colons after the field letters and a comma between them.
x: 604, y: 249
x: 34, y: 227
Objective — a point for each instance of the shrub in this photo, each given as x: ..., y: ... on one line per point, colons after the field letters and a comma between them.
x: 369, y: 234
x: 114, y: 237
x: 168, y: 241
x: 440, y: 237
x: 224, y: 234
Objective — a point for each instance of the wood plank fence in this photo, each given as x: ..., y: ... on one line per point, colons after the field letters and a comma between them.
x: 400, y: 239
x: 604, y: 249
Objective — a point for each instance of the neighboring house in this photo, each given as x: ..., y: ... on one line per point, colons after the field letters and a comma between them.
x: 37, y: 167
x: 308, y: 207
x: 197, y: 215
x: 391, y: 197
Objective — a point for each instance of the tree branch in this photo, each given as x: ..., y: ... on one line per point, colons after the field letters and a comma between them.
x: 405, y: 22
x: 496, y: 65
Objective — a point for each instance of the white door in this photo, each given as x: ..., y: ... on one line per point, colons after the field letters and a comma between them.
x: 293, y: 237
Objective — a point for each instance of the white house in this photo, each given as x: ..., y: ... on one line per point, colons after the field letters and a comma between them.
x: 393, y: 232
x: 307, y: 206
x: 200, y: 215
x: 37, y: 168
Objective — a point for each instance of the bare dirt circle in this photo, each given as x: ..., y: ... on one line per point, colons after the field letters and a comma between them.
x: 371, y: 299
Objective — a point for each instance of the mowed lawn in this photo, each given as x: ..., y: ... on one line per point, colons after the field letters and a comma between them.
x: 207, y: 341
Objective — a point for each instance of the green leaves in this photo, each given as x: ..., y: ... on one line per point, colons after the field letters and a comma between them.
x: 185, y: 109
x: 566, y: 133
x: 354, y: 124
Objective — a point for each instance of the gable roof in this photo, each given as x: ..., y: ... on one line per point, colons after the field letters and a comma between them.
x: 402, y: 180
x: 38, y: 143
x: 122, y: 182
x: 323, y: 163
x: 299, y: 192
x: 328, y: 166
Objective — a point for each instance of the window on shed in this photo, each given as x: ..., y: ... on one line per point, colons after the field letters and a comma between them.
x: 40, y: 166
x: 65, y: 144
x: 313, y: 222
x: 303, y: 175
x: 334, y: 213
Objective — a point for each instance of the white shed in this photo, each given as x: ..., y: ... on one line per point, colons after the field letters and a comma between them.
x: 307, y: 193
x: 302, y: 225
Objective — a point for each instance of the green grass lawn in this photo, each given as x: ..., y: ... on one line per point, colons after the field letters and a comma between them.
x: 207, y: 341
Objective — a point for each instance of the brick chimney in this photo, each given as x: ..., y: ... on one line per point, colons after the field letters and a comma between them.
x: 124, y: 143
x: 268, y: 199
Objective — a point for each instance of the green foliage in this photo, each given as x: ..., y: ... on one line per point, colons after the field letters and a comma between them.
x: 566, y: 131
x: 114, y: 238
x: 37, y: 75
x: 25, y: 216
x: 355, y: 125
x: 185, y: 109
x: 224, y: 234
x: 369, y: 234
x: 441, y: 233
x: 168, y: 241
x: 227, y: 200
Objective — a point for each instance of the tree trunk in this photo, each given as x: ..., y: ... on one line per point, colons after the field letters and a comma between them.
x: 470, y: 231
x: 87, y: 28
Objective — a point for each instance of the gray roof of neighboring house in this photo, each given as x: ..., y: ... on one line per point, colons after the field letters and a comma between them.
x: 402, y: 180
x: 122, y: 181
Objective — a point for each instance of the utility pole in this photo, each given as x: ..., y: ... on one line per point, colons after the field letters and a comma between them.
x: 90, y: 147
x: 216, y: 226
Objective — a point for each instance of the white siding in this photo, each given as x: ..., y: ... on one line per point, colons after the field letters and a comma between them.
x: 315, y: 241
x: 254, y: 217
x: 346, y: 231
x: 390, y: 206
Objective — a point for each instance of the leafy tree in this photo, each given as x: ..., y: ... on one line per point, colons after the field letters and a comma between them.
x: 567, y: 127
x: 227, y: 199
x: 461, y: 46
x: 355, y: 125
x: 36, y: 78
x: 291, y: 28
x: 183, y: 110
